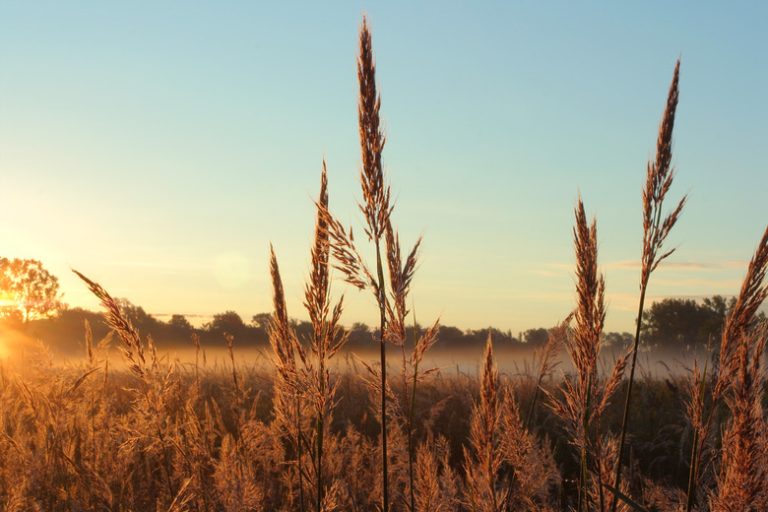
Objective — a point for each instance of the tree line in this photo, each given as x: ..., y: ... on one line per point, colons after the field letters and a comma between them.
x: 31, y: 302
x: 671, y: 324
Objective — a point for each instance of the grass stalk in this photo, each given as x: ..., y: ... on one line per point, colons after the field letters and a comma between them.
x: 656, y: 228
x: 383, y: 359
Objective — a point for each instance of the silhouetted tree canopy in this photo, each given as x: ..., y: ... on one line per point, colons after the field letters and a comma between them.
x: 180, y: 323
x: 536, y: 337
x: 229, y: 322
x: 137, y: 316
x: 685, y: 324
x: 28, y: 289
x: 619, y: 340
x: 261, y: 320
x: 679, y: 324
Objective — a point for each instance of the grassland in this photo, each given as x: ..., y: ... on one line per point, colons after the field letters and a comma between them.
x: 300, y: 435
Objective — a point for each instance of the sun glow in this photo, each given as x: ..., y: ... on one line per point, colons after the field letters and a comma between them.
x: 7, y: 301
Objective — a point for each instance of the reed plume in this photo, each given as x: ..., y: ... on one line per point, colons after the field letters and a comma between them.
x: 530, y: 474
x: 505, y: 468
x: 585, y: 397
x: 743, y: 315
x: 436, y: 481
x: 287, y: 401
x: 656, y: 228
x: 132, y: 346
x: 327, y: 338
x: 410, y: 382
x: 376, y: 207
x: 736, y: 341
x: 484, y: 456
x: 742, y: 483
x: 739, y: 378
x: 157, y: 387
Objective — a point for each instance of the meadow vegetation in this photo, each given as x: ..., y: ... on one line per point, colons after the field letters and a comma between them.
x: 304, y: 435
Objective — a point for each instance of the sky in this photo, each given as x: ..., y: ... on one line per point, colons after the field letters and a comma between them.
x: 159, y: 147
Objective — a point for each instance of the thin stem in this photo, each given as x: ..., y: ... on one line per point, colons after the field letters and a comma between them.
x: 412, y: 412
x: 584, y: 463
x: 320, y: 428
x: 628, y: 398
x: 491, y: 479
x: 697, y: 447
x: 692, y: 472
x: 299, y: 453
x: 648, y: 263
x: 383, y: 356
x: 532, y: 407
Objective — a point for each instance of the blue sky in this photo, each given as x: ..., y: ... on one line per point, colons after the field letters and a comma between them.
x: 159, y: 147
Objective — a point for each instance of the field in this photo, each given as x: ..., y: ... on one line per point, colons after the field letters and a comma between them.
x: 308, y: 426
x: 89, y: 438
x: 204, y: 435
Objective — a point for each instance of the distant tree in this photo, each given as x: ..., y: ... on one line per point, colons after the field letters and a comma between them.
x: 31, y: 289
x: 359, y: 336
x: 412, y: 333
x: 303, y: 330
x: 536, y: 337
x: 142, y: 320
x: 450, y: 336
x: 685, y: 323
x: 180, y: 323
x: 229, y: 322
x: 500, y: 338
x: 64, y: 332
x: 619, y: 340
x: 477, y: 338
x: 719, y: 304
x: 261, y: 320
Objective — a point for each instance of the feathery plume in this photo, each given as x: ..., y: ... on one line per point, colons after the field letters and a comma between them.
x: 287, y: 402
x: 483, y: 492
x: 738, y: 370
x: 585, y: 397
x: 132, y: 346
x: 656, y: 228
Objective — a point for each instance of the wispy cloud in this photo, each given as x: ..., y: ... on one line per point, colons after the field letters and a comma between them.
x: 698, y: 282
x: 690, y: 266
x: 558, y: 268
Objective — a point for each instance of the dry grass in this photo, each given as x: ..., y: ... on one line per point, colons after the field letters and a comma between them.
x: 237, y: 456
x: 656, y: 228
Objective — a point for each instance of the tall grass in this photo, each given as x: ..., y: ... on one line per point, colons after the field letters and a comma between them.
x: 739, y: 379
x: 584, y: 398
x: 656, y: 227
x: 391, y: 297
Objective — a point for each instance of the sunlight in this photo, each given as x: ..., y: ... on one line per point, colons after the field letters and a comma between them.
x: 7, y: 302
